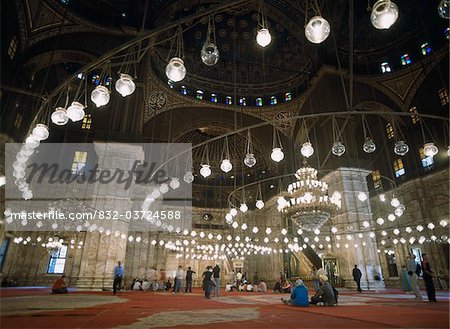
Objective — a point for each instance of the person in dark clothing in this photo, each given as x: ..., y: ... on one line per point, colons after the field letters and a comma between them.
x: 207, y: 281
x: 325, y: 295
x: 216, y: 275
x: 189, y: 273
x: 428, y: 275
x: 357, y: 277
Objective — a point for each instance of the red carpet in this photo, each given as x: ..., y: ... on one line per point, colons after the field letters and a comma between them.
x: 372, y: 311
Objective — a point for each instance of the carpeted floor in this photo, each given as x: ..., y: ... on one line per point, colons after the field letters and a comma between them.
x: 36, y: 308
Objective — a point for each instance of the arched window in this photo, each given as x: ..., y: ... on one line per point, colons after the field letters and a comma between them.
x: 57, y: 261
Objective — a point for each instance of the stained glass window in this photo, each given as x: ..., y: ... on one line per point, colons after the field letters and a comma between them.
x: 425, y: 48
x: 385, y: 68
x: 242, y: 101
x: 259, y: 101
x: 184, y: 90
x: 389, y: 131
x: 288, y: 97
x: 214, y: 98
x: 405, y: 59
x: 228, y: 100
x: 87, y: 121
x: 199, y: 94
x: 273, y: 100
x: 376, y: 178
x: 398, y: 168
x: 443, y: 96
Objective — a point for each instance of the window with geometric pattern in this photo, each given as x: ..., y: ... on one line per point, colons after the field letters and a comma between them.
x: 399, y: 169
x: 389, y: 131
x: 376, y: 179
x: 443, y: 96
x: 414, y: 115
x: 87, y: 121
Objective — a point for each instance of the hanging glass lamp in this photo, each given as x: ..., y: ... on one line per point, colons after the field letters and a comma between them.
x: 384, y: 14
x: 317, y: 29
x: 175, y: 70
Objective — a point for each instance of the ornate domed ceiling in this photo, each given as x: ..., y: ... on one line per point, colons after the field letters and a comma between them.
x: 244, y: 67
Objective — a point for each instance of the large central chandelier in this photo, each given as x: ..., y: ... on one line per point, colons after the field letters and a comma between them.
x: 307, y: 203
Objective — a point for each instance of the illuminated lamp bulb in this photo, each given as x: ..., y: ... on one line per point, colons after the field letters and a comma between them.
x: 175, y: 70
x: 430, y: 226
x: 243, y: 207
x: 226, y: 165
x: 244, y: 227
x: 401, y: 148
x: 419, y: 228
x: 281, y: 201
x: 164, y: 188
x: 205, y: 171
x: 188, y: 177
x: 259, y: 204
x: 338, y: 149
x: 59, y: 116
x: 40, y: 132
x: 430, y: 150
x: 395, y: 202
x: 268, y: 230
x: 277, y: 154
x: 398, y: 212
x: 75, y: 111
x: 209, y: 54
x: 174, y: 183
x: 380, y: 221
x: 228, y: 217
x: 362, y: 196
x: 255, y: 230
x: 125, y: 85
x: 250, y: 160
x: 391, y: 217
x: 443, y: 223
x: 384, y: 14
x: 307, y: 150
x: 369, y: 145
x: 317, y: 29
x: 100, y: 96
x: 444, y: 9
x: 334, y: 230
x: 263, y: 37
x: 233, y: 212
x: 284, y: 232
x: 27, y: 195
x: 32, y: 142
x: 2, y: 180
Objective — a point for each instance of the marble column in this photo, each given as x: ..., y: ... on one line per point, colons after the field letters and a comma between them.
x: 101, y: 252
x: 355, y: 249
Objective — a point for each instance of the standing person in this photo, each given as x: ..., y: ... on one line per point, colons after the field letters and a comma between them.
x: 256, y: 278
x: 314, y: 278
x: 411, y: 267
x: 118, y: 275
x: 216, y: 275
x: 179, y: 282
x: 189, y: 273
x: 405, y: 282
x: 152, y: 277
x: 428, y: 275
x: 238, y: 278
x: 207, y: 281
x: 357, y: 277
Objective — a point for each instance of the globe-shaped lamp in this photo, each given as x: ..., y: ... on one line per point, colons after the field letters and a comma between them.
x: 175, y: 70
x: 338, y: 149
x: 263, y: 37
x: 125, y: 85
x: 369, y: 145
x: 100, y: 96
x: 205, y: 171
x: 188, y: 177
x: 430, y: 150
x: 75, y: 111
x: 384, y: 14
x: 250, y: 160
x: 226, y: 165
x: 59, y: 116
x: 401, y: 148
x: 277, y: 154
x: 40, y: 132
x: 307, y: 150
x: 317, y: 29
x: 209, y: 54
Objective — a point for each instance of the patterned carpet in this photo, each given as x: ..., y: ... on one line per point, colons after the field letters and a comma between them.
x: 36, y: 308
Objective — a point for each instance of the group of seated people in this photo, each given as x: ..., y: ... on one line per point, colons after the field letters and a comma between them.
x: 327, y: 295
x: 282, y: 286
x: 247, y: 286
x: 145, y: 285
